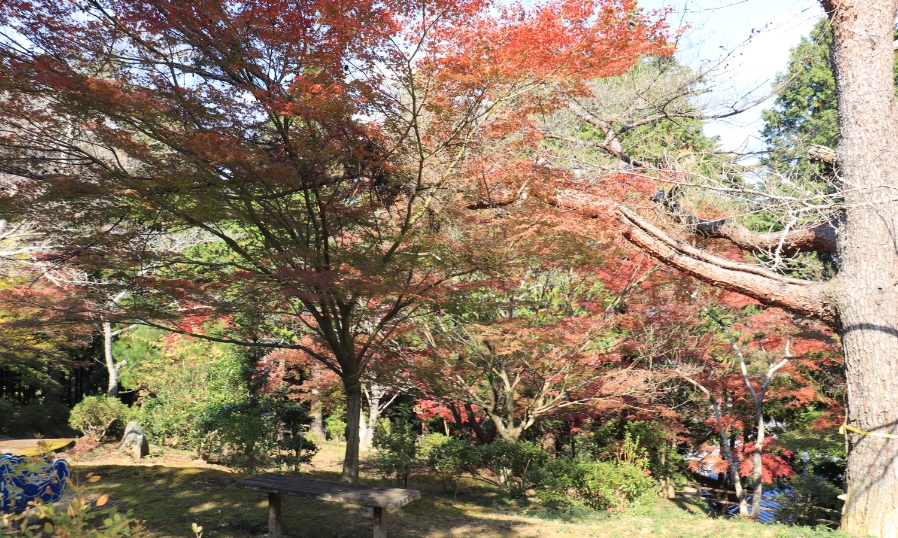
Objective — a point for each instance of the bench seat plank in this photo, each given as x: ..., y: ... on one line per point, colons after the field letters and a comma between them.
x: 358, y: 494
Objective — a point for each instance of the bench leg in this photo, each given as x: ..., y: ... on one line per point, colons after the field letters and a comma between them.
x: 274, y: 515
x: 380, y: 522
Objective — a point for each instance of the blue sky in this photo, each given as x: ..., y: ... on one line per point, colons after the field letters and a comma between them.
x: 759, y: 32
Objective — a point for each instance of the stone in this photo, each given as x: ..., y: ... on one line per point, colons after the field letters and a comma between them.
x: 135, y: 442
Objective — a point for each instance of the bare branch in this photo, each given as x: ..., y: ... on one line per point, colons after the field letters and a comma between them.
x: 799, y: 296
x: 819, y: 237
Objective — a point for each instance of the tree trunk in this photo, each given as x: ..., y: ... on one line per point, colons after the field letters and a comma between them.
x: 506, y: 429
x: 112, y: 388
x: 363, y: 431
x: 373, y: 417
x: 373, y: 414
x: 865, y: 294
x: 317, y: 415
x: 757, y: 472
x: 352, y: 388
x: 549, y: 444
x: 375, y: 394
x: 727, y: 443
x: 475, y: 426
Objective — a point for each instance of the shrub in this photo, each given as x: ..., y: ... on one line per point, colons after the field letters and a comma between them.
x: 94, y: 415
x: 50, y: 419
x: 184, y: 392
x: 179, y: 379
x: 335, y: 427
x: 643, y: 440
x: 314, y: 438
x: 513, y: 466
x: 611, y: 485
x: 447, y: 457
x: 600, y: 485
x: 294, y: 448
x: 622, y: 481
x: 802, y: 502
x: 257, y: 432
x: 397, y: 448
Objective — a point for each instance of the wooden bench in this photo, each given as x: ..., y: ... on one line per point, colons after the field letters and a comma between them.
x: 381, y: 499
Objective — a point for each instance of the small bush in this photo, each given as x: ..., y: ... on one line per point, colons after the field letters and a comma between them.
x: 95, y: 415
x: 642, y: 440
x: 49, y: 419
x: 801, y: 504
x: 612, y: 485
x: 315, y: 438
x: 513, y: 466
x: 600, y: 485
x: 335, y: 427
x: 397, y: 448
x: 447, y: 457
x: 257, y: 432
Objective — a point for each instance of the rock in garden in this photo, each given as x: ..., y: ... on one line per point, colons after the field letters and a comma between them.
x: 134, y: 442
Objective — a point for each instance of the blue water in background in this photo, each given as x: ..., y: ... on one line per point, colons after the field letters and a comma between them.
x: 767, y: 500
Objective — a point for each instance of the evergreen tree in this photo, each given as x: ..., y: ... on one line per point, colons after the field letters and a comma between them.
x: 804, y: 112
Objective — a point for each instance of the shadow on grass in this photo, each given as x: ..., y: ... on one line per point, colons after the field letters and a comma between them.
x: 695, y: 506
x: 170, y: 499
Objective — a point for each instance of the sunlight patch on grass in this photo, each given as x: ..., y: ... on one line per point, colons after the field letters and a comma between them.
x: 170, y: 499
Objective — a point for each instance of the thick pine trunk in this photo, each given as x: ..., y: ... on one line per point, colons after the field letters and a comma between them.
x: 353, y: 390
x: 866, y: 293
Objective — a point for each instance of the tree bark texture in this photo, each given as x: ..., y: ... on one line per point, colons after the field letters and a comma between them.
x: 483, y: 437
x: 549, y: 444
x: 353, y: 390
x: 867, y: 293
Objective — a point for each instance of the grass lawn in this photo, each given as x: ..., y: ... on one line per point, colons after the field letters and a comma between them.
x: 171, y: 496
